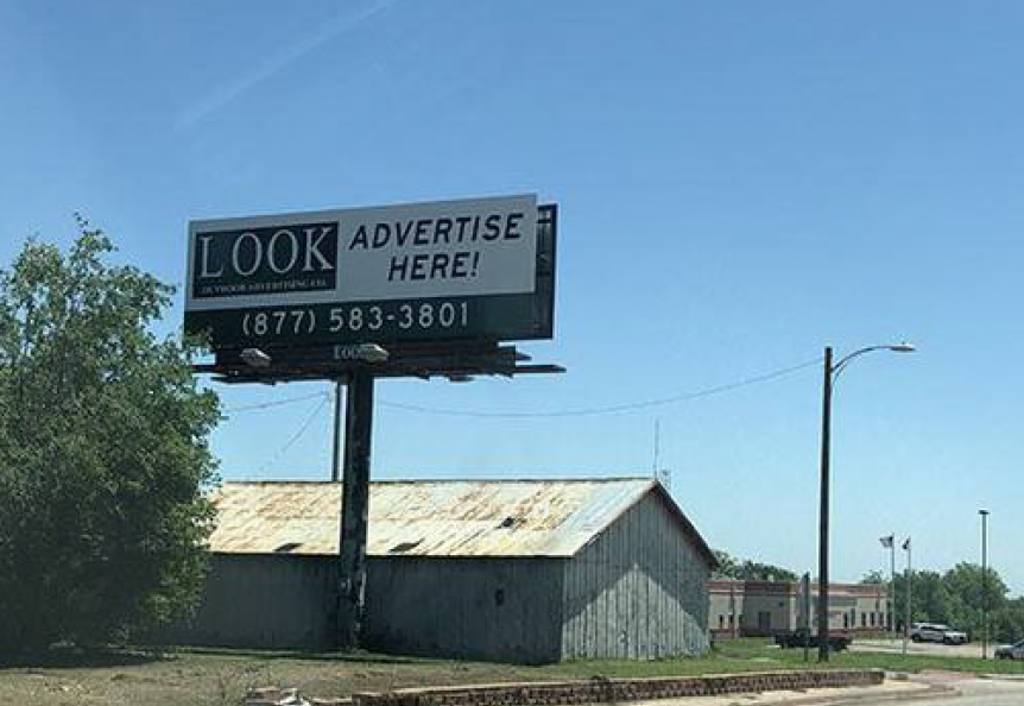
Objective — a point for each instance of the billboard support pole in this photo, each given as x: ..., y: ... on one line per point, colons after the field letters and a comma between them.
x: 355, y: 507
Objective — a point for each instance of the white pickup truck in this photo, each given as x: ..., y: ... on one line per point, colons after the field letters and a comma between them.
x: 936, y: 632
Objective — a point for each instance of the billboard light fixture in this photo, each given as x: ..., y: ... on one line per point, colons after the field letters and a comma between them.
x: 256, y: 358
x: 372, y: 353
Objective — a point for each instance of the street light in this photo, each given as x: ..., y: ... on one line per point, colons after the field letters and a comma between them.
x: 984, y: 583
x: 832, y: 373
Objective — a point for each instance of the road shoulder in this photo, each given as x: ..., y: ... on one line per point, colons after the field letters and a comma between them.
x: 890, y: 690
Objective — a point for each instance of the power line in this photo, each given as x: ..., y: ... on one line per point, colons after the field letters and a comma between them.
x: 611, y: 409
x: 278, y: 403
x: 298, y: 434
x: 305, y: 426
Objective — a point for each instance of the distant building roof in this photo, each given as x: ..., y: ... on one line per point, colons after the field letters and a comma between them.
x: 753, y: 587
x: 504, y: 518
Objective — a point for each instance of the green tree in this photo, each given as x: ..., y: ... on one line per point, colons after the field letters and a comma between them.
x: 970, y: 589
x: 956, y: 598
x: 726, y: 563
x: 1007, y: 624
x: 103, y: 451
x: 875, y: 578
x: 929, y: 602
x: 746, y: 570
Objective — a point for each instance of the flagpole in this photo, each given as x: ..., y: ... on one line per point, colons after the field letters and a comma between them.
x: 890, y: 593
x: 892, y: 587
x: 910, y: 594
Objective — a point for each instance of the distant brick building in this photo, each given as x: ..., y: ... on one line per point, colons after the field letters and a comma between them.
x: 757, y: 608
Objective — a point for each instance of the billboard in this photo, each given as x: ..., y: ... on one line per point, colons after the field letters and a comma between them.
x: 441, y: 271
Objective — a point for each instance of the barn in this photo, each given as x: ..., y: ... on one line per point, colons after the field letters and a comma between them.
x: 527, y: 571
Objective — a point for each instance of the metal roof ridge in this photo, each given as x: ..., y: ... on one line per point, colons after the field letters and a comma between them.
x: 541, y: 479
x: 585, y: 479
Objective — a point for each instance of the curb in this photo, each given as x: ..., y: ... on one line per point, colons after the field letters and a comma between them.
x: 925, y: 693
x: 617, y: 690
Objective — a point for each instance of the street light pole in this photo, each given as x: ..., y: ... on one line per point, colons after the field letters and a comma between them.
x: 826, y: 432
x: 984, y: 583
x: 831, y: 375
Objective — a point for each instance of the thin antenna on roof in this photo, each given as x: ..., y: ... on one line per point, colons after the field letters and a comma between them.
x: 662, y: 475
x: 665, y: 478
x: 657, y: 447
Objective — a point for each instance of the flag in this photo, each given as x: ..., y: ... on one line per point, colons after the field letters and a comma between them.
x: 906, y: 545
x: 887, y: 541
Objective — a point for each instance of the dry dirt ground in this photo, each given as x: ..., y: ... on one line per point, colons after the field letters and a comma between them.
x: 219, y: 679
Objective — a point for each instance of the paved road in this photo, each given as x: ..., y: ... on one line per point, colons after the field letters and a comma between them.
x: 971, y: 692
x: 972, y: 649
x: 929, y: 689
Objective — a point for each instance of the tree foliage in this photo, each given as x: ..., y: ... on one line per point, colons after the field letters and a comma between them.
x: 746, y: 570
x: 103, y: 451
x: 957, y: 598
x: 874, y: 578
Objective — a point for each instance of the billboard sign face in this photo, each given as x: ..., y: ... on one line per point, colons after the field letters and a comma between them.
x: 417, y: 272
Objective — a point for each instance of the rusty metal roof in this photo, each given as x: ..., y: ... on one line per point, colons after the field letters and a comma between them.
x: 552, y: 518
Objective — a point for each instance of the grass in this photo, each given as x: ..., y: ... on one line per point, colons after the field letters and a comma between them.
x: 747, y: 650
x: 221, y: 677
x: 752, y: 655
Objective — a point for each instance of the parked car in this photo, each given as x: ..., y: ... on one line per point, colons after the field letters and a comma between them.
x: 936, y: 632
x: 1014, y: 651
x: 796, y: 638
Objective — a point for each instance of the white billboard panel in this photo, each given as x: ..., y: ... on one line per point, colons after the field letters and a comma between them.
x: 451, y: 270
x: 472, y: 247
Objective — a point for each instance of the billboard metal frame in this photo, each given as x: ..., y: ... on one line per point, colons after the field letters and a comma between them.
x: 455, y: 359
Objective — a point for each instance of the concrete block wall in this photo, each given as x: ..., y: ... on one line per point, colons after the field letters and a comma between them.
x: 617, y: 690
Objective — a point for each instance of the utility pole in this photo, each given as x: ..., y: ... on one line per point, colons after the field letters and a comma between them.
x: 826, y: 430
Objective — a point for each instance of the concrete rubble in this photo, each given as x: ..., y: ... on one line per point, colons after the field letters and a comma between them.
x: 274, y: 696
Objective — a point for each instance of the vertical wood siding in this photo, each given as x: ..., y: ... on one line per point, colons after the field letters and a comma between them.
x: 504, y: 609
x: 276, y: 602
x: 638, y: 591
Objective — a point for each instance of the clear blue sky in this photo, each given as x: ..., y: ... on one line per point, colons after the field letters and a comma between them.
x: 741, y: 183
